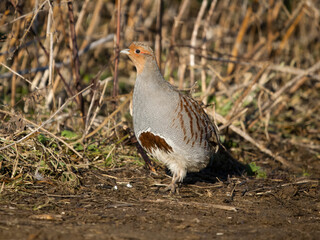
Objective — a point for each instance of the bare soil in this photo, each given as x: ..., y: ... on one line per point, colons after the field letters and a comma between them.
x: 127, y: 203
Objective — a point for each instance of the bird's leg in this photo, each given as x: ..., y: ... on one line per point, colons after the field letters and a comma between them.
x: 172, y: 187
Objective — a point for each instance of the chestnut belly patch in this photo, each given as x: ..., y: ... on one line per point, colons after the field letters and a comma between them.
x: 151, y: 142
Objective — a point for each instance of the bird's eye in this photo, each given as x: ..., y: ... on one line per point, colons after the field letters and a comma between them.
x: 137, y: 51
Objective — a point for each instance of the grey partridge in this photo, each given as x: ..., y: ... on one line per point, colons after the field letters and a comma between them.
x: 168, y: 124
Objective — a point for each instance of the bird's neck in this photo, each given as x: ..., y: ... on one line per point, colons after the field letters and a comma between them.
x: 150, y: 66
x: 150, y: 80
x: 151, y: 73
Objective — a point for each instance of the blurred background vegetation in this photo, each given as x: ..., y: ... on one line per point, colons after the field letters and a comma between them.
x: 65, y: 92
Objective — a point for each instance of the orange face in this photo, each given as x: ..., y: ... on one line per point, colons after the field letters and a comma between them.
x: 138, y: 54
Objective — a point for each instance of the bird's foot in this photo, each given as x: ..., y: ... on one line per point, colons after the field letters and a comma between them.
x: 172, y: 188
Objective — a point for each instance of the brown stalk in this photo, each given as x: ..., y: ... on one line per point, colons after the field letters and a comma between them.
x: 31, y: 22
x: 256, y: 143
x: 109, y: 117
x: 38, y: 127
x: 273, y: 12
x: 96, y: 86
x: 181, y: 71
x: 190, y: 203
x: 204, y: 49
x: 177, y: 21
x: 88, y: 126
x: 291, y: 83
x: 267, y: 106
x: 70, y: 92
x: 158, y: 34
x: 281, y: 100
x: 290, y: 30
x: 269, y: 26
x: 117, y: 50
x: 246, y: 92
x: 13, y: 83
x: 17, y: 74
x: 81, y: 16
x: 298, y: 84
x: 13, y: 41
x: 61, y: 23
x: 51, y: 53
x: 151, y: 14
x: 75, y: 58
x: 292, y: 70
x: 93, y: 23
x: 194, y: 39
x: 131, y: 21
x: 237, y: 44
x: 15, y: 165
x: 41, y: 127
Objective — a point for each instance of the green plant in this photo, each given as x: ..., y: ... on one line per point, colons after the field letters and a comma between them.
x: 254, y: 170
x: 68, y: 134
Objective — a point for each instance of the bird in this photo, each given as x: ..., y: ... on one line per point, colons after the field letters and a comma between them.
x: 170, y: 126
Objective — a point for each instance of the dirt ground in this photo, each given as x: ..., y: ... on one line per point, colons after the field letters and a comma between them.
x: 127, y: 203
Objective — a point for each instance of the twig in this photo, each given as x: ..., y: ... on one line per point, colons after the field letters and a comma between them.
x: 300, y: 13
x: 93, y: 99
x: 31, y: 23
x: 194, y: 39
x: 75, y: 58
x: 116, y: 61
x: 233, y: 118
x: 304, y: 145
x: 90, y: 46
x: 239, y: 38
x: 14, y: 72
x: 93, y: 23
x: 256, y: 143
x: 15, y: 165
x: 199, y: 204
x: 276, y: 97
x: 158, y: 34
x: 99, y: 106
x: 50, y: 34
x: 81, y: 16
x: 94, y: 44
x: 286, y: 87
x: 45, y: 122
x: 110, y: 116
x: 246, y: 92
x: 42, y: 129
x: 291, y: 70
x: 204, y: 49
x: 110, y: 37
x: 177, y: 21
x: 55, y: 67
x: 13, y: 83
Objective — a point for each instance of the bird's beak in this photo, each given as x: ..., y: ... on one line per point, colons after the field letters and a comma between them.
x: 125, y: 51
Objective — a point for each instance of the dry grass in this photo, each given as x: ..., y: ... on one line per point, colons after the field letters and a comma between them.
x: 256, y: 62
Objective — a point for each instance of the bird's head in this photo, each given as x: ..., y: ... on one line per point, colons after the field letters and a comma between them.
x: 140, y: 54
